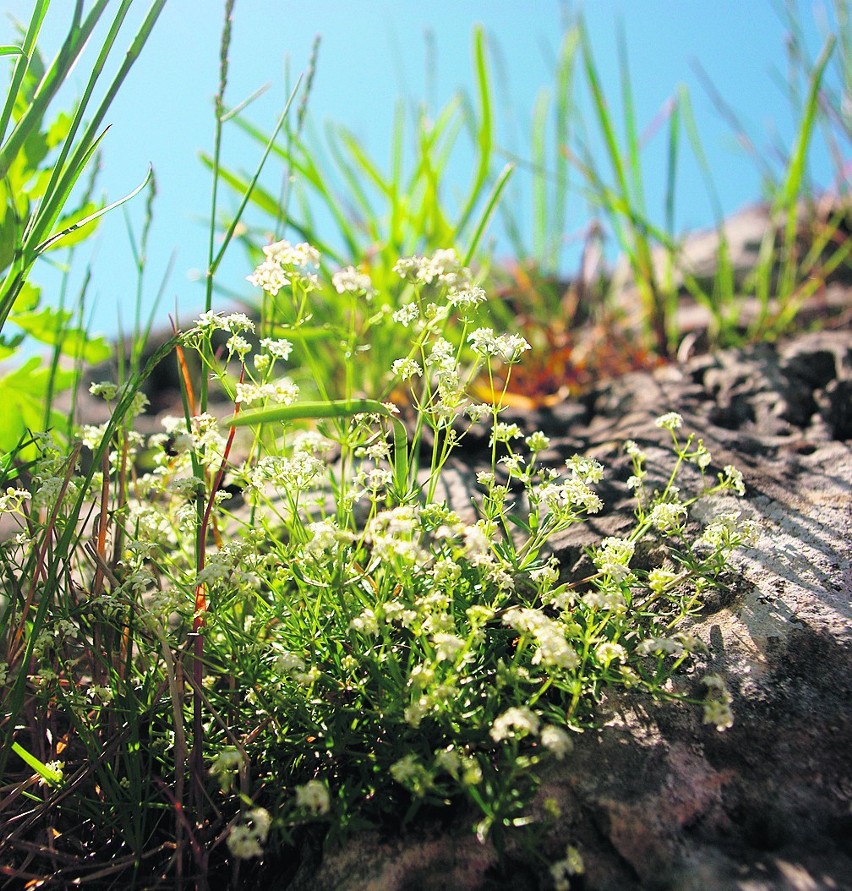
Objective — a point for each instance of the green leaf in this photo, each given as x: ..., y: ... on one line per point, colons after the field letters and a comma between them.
x: 28, y: 299
x: 35, y: 150
x: 32, y: 78
x: 22, y: 395
x: 75, y: 225
x: 58, y: 130
x: 334, y: 408
x: 85, y: 221
x: 8, y: 239
x: 47, y: 773
x: 50, y: 326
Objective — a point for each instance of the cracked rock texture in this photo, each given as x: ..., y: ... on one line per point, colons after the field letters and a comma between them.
x: 654, y: 799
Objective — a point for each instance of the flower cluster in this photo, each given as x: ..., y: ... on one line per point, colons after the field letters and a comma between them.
x: 384, y: 638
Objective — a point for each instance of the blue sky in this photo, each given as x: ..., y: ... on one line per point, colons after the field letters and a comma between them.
x: 374, y: 51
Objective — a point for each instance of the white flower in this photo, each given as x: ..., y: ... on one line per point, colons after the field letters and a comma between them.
x: 515, y: 721
x: 586, y: 469
x: 730, y: 529
x: 633, y: 450
x: 610, y: 652
x: 411, y: 774
x: 414, y: 713
x: 105, y: 389
x: 613, y: 557
x: 406, y: 368
x: 279, y: 348
x: 476, y: 411
x: 562, y: 870
x: 666, y: 516
x: 366, y: 623
x: 717, y: 706
x: 247, y: 837
x: 733, y: 479
x: 225, y: 765
x: 295, y: 255
x: 606, y: 598
x: 483, y: 341
x: 660, y: 578
x: 447, y: 646
x: 557, y: 741
x: 406, y: 314
x: 442, y: 268
x: 289, y: 663
x: 670, y: 421
x: 510, y: 347
x: 12, y: 499
x: 407, y: 268
x: 719, y: 714
x: 313, y: 796
x: 545, y: 576
x: 537, y: 441
x: 485, y: 478
x: 466, y: 298
x: 504, y: 432
x: 234, y: 322
x: 476, y: 542
x: 280, y: 392
x: 350, y: 281
x: 237, y: 344
x: 269, y: 276
x: 660, y: 646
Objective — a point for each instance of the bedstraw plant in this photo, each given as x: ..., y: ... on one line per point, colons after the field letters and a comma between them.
x: 370, y: 648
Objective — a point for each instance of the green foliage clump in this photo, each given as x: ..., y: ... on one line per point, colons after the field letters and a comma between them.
x: 345, y: 646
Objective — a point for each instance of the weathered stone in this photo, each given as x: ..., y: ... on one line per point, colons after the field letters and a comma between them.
x: 655, y: 799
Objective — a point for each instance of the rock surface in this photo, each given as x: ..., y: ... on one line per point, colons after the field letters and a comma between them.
x: 654, y: 799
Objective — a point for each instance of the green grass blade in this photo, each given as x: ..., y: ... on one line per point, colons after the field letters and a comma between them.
x: 47, y: 773
x: 20, y: 70
x: 363, y: 162
x: 62, y: 185
x: 397, y: 155
x: 333, y: 409
x: 488, y: 212
x: 793, y: 181
x: 562, y: 134
x: 791, y: 188
x: 691, y: 130
x: 355, y: 181
x: 484, y: 131
x: 671, y: 167
x: 540, y: 185
x: 53, y: 79
x: 631, y: 129
x: 82, y: 104
x: 604, y: 117
x: 50, y: 242
x: 229, y: 234
x: 309, y: 170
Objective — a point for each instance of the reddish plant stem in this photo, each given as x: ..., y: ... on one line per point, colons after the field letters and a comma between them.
x: 196, y: 757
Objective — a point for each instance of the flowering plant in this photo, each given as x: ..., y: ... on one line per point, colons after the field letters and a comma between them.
x: 345, y: 643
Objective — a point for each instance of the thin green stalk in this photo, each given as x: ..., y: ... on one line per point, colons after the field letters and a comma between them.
x: 23, y: 62
x: 218, y: 111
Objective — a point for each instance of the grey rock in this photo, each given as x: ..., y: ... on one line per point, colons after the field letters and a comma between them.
x: 654, y: 799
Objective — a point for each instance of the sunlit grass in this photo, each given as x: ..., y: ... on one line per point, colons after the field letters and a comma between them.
x: 270, y: 624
